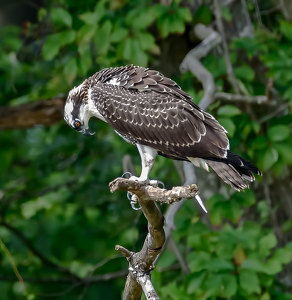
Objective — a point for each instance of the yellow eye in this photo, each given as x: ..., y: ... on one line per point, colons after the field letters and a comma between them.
x: 77, y: 124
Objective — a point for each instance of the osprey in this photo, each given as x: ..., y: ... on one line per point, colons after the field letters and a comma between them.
x: 153, y: 113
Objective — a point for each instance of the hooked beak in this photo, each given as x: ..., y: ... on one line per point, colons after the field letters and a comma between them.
x: 87, y: 132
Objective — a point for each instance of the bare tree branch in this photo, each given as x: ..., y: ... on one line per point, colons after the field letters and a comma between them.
x: 68, y: 280
x: 274, y: 113
x: 190, y: 177
x: 142, y: 263
x: 191, y: 62
x: 286, y: 7
x: 45, y: 112
x: 220, y: 27
x: 244, y: 98
x: 182, y: 261
x: 152, y: 193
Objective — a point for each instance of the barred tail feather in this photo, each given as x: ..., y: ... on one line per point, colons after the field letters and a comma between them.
x: 234, y: 170
x: 228, y: 174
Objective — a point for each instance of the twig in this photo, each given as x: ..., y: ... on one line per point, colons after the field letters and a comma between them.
x: 69, y: 280
x: 258, y: 13
x: 244, y: 98
x: 230, y: 72
x: 182, y: 262
x: 274, y: 113
x: 270, y: 10
x: 274, y: 220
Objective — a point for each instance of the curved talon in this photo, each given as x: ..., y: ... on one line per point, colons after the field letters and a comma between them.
x: 133, y: 200
x: 129, y: 196
x: 127, y: 173
x: 161, y: 184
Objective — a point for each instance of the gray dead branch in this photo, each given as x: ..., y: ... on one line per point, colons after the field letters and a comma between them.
x: 142, y: 263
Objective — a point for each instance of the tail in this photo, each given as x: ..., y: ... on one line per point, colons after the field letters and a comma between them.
x: 234, y: 170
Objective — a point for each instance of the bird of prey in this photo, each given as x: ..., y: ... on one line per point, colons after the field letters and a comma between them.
x: 153, y: 113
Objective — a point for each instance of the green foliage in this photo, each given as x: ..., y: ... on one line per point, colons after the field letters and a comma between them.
x: 53, y: 182
x: 226, y: 260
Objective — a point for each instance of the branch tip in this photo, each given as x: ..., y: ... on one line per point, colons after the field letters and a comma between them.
x: 125, y: 252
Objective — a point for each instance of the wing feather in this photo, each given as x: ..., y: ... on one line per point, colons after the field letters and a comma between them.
x: 163, y: 121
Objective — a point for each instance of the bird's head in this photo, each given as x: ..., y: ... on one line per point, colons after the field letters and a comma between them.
x: 76, y: 112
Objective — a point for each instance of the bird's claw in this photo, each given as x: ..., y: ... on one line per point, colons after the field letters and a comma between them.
x: 154, y: 183
x: 132, y: 197
x: 160, y: 183
x: 127, y: 174
x: 133, y: 200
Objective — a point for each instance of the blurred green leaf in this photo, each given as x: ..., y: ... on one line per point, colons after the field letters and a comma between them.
x: 249, y: 282
x: 118, y: 34
x: 228, y: 124
x: 184, y: 13
x: 146, y: 40
x: 70, y: 70
x: 279, y: 133
x: 226, y: 14
x: 229, y: 286
x: 203, y: 15
x: 283, y: 255
x: 244, y: 72
x: 286, y: 29
x: 55, y: 42
x: 219, y: 264
x: 272, y: 267
x: 61, y: 16
x: 196, y: 283
x: 85, y: 34
x: 268, y: 158
x: 252, y: 264
x: 102, y: 37
x: 228, y: 110
x: 199, y: 261
x: 266, y: 243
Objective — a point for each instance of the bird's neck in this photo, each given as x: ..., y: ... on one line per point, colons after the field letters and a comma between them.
x: 92, y: 106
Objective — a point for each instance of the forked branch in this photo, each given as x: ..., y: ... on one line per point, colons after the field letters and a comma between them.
x: 142, y: 263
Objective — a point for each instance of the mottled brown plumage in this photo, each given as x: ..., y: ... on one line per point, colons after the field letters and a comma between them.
x: 149, y: 109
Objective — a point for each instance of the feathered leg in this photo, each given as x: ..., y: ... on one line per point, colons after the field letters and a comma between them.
x: 147, y: 155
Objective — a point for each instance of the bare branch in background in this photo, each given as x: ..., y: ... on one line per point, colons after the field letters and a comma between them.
x: 274, y: 220
x: 187, y: 174
x: 274, y: 113
x: 128, y: 164
x: 191, y: 62
x: 230, y: 72
x: 190, y: 177
x: 45, y: 112
x: 69, y: 280
x: 286, y: 7
x: 244, y: 98
x: 181, y: 259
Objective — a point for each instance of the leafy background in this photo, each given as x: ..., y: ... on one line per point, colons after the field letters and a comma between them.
x: 59, y: 223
